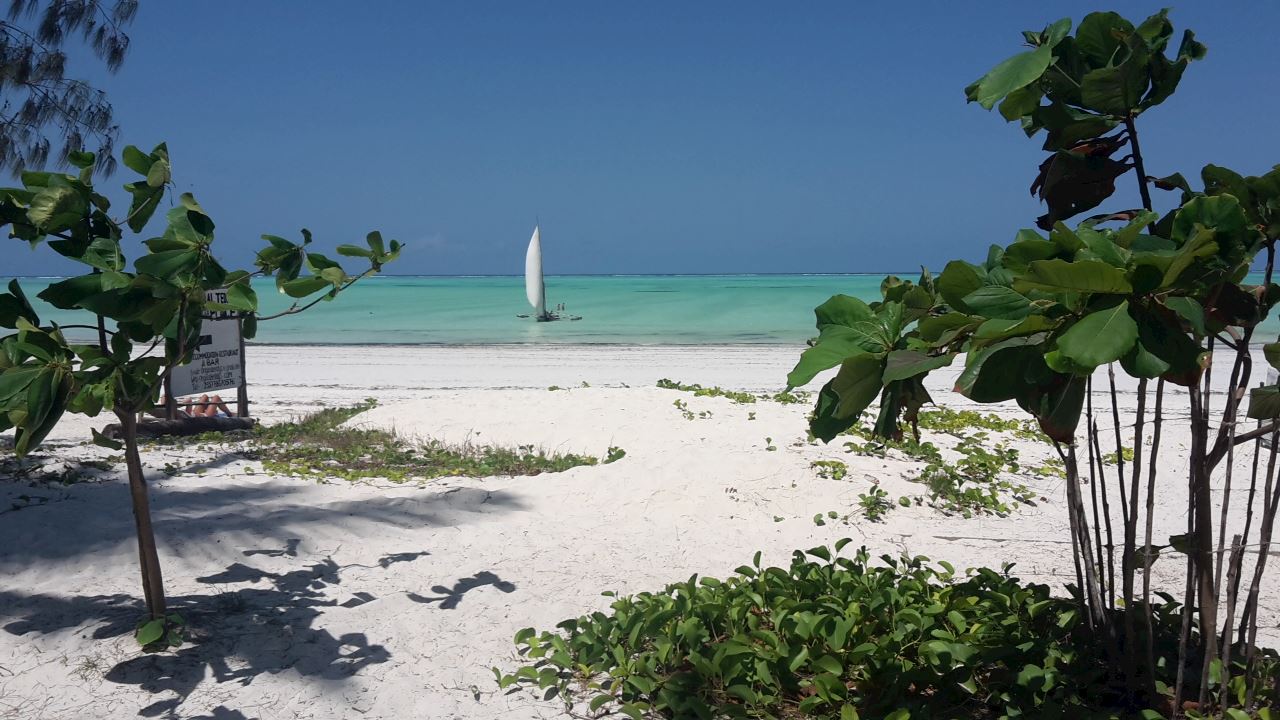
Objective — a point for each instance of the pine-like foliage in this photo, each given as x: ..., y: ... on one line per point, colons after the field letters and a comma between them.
x: 37, y: 100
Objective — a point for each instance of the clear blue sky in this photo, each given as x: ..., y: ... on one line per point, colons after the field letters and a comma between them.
x: 660, y: 137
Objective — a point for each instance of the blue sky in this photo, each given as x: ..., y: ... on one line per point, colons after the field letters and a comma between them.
x: 657, y: 137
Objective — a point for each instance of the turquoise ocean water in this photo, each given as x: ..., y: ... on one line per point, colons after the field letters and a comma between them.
x: 633, y: 309
x: 629, y: 309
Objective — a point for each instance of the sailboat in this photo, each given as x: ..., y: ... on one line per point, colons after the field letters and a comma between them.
x: 534, y: 287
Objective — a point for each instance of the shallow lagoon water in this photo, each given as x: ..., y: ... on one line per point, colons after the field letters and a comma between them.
x: 615, y: 309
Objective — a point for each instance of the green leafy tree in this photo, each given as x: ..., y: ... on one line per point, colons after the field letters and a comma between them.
x: 36, y: 95
x: 146, y: 317
x: 1039, y: 317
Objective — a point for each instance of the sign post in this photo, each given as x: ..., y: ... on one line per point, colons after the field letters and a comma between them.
x: 218, y: 361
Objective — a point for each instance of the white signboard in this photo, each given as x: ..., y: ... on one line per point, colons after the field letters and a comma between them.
x: 217, y: 363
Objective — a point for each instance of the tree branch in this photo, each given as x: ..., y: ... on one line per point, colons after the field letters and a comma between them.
x: 294, y: 309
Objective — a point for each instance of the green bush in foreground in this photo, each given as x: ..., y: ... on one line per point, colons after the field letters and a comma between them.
x: 836, y: 637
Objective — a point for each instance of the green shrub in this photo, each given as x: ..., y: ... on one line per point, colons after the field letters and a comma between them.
x: 836, y: 637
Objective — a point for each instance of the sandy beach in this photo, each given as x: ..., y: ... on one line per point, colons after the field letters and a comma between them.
x: 336, y: 599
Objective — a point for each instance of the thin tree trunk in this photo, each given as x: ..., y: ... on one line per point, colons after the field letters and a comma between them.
x: 1097, y: 611
x: 152, y: 580
x: 1271, y: 503
x: 1109, y: 591
x: 1094, y: 452
x: 1202, y: 541
x: 1248, y: 522
x: 1115, y: 420
x: 1129, y: 556
x: 1237, y: 554
x: 1188, y: 607
x: 1156, y: 424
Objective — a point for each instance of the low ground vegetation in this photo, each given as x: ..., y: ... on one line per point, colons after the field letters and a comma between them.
x: 322, y: 445
x: 784, y: 397
x: 844, y: 637
x: 982, y: 480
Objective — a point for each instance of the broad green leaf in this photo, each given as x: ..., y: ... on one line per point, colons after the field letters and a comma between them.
x: 70, y: 293
x: 46, y: 402
x: 136, y: 160
x: 1093, y: 276
x: 1118, y: 89
x: 303, y: 287
x: 1103, y: 247
x: 1065, y: 238
x: 1142, y: 363
x: 843, y: 310
x: 996, y: 301
x: 1057, y: 407
x: 999, y: 329
x: 167, y: 264
x: 1101, y: 37
x: 997, y: 372
x: 1068, y: 126
x: 1021, y: 102
x: 1025, y: 251
x: 158, y: 175
x: 833, y: 347
x: 935, y: 327
x: 1272, y: 352
x: 150, y: 632
x: 145, y: 201
x: 1222, y: 213
x: 1100, y: 337
x: 15, y: 381
x: 902, y: 364
x: 1014, y: 73
x: 848, y: 327
x: 957, y: 280
x: 242, y: 297
x: 354, y: 251
x: 1264, y: 403
x: 857, y: 384
x: 14, y: 305
x: 1190, y: 256
x: 55, y: 209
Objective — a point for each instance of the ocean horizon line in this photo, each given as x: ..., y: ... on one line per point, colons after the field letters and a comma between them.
x: 566, y: 275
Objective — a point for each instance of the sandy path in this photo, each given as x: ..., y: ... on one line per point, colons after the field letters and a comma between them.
x: 314, y: 600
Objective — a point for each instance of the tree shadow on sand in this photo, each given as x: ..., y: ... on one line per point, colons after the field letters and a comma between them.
x: 186, y: 509
x: 233, y: 636
x: 450, y: 597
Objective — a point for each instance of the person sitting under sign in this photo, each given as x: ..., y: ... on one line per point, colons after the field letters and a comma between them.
x: 209, y: 407
x: 206, y: 406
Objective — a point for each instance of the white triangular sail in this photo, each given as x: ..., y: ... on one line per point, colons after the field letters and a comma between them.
x: 533, y: 286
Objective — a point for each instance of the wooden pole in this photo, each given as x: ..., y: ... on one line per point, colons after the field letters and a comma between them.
x: 242, y: 390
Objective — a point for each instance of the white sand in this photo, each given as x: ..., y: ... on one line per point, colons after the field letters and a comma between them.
x: 375, y: 600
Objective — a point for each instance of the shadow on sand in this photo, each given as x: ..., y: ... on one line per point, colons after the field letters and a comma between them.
x: 186, y: 508
x: 264, y: 619
x: 450, y: 597
x: 232, y: 636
